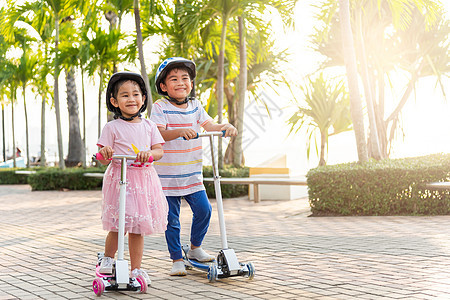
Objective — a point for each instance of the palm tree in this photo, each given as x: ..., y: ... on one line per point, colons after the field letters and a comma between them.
x: 417, y: 43
x: 40, y: 20
x: 103, y: 49
x: 327, y: 107
x: 26, y: 73
x: 139, y: 39
x: 57, y: 7
x: 352, y: 75
x: 68, y: 50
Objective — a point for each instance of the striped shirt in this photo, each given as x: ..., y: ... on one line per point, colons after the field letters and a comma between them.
x: 180, y: 169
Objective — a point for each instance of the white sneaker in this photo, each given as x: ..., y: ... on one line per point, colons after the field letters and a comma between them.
x: 178, y: 269
x: 136, y: 272
x: 200, y: 255
x: 106, y: 265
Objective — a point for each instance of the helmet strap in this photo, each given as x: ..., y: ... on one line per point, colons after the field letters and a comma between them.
x: 176, y: 102
x: 127, y: 119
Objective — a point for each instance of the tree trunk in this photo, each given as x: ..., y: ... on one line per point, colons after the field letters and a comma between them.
x: 56, y: 97
x: 352, y: 77
x: 373, y: 132
x: 13, y: 128
x: 43, y: 158
x: 231, y: 99
x: 99, y: 123
x: 323, y: 142
x: 220, y: 80
x: 75, y: 144
x: 27, y: 144
x: 83, y: 158
x: 137, y: 19
x: 3, y: 132
x: 240, y: 105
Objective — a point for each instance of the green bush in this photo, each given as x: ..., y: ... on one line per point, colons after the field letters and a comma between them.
x: 387, y: 187
x: 228, y: 190
x: 69, y: 178
x: 9, y: 176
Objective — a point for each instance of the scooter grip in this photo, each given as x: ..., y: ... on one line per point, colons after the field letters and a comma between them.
x: 196, y: 137
x: 99, y: 156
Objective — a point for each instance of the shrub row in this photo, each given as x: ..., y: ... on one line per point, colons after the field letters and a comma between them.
x: 73, y: 179
x: 387, y: 187
x: 228, y: 190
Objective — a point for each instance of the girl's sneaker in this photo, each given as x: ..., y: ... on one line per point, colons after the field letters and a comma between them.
x: 200, y: 255
x: 178, y: 269
x: 106, y: 265
x: 136, y: 272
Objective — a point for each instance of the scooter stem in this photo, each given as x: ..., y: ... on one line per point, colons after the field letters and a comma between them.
x: 218, y: 190
x: 122, y: 199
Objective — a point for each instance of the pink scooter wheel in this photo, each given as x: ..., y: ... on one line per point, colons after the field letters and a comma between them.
x: 143, y: 283
x: 98, y: 286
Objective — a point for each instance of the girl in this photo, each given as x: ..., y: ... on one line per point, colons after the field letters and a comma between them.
x: 146, y: 206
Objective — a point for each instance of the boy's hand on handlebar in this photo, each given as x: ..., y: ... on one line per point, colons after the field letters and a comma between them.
x: 144, y: 156
x: 230, y: 130
x: 188, y: 133
x: 107, y: 152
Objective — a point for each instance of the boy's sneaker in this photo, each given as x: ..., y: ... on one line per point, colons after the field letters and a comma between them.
x: 106, y: 265
x: 200, y: 255
x: 178, y: 269
x: 136, y: 272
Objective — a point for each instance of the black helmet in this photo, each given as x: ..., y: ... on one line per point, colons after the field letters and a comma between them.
x: 169, y: 64
x: 119, y: 76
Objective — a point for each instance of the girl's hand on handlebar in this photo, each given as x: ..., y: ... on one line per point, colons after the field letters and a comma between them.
x: 144, y: 156
x: 188, y: 133
x: 107, y: 152
x: 229, y: 129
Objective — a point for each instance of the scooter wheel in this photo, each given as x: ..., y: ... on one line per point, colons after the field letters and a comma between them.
x: 251, y: 270
x: 98, y: 286
x: 212, y: 273
x: 141, y: 280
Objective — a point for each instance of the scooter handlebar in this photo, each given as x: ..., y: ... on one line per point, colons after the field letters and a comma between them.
x: 99, y: 156
x: 209, y: 133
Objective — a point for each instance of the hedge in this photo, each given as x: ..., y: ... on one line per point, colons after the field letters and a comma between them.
x: 387, y: 187
x: 9, y: 176
x: 228, y: 190
x: 69, y: 178
x: 73, y: 179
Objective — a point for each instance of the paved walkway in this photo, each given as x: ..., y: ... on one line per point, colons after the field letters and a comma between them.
x: 49, y: 241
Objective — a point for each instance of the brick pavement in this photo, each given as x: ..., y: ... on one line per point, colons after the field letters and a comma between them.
x: 49, y: 240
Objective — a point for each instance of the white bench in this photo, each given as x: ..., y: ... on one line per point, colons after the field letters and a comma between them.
x: 438, y: 185
x: 96, y: 175
x: 256, y: 182
x: 24, y: 172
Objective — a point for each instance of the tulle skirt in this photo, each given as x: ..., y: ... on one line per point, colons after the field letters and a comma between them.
x: 146, y: 206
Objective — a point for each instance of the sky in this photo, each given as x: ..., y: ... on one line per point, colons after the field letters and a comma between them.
x: 425, y: 119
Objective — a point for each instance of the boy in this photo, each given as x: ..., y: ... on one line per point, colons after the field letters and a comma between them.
x: 179, y: 115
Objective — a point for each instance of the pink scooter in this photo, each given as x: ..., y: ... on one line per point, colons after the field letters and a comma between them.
x: 119, y: 280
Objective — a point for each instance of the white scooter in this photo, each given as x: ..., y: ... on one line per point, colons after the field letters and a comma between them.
x: 227, y: 264
x: 119, y: 280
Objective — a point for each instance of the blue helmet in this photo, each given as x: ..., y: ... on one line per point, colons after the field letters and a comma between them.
x: 167, y: 65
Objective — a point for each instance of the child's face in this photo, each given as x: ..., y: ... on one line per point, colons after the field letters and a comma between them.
x: 129, y: 99
x: 177, y: 84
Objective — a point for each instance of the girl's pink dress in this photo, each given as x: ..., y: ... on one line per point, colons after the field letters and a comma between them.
x: 146, y: 206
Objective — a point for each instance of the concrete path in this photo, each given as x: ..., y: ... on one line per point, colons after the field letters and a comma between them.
x: 49, y: 241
